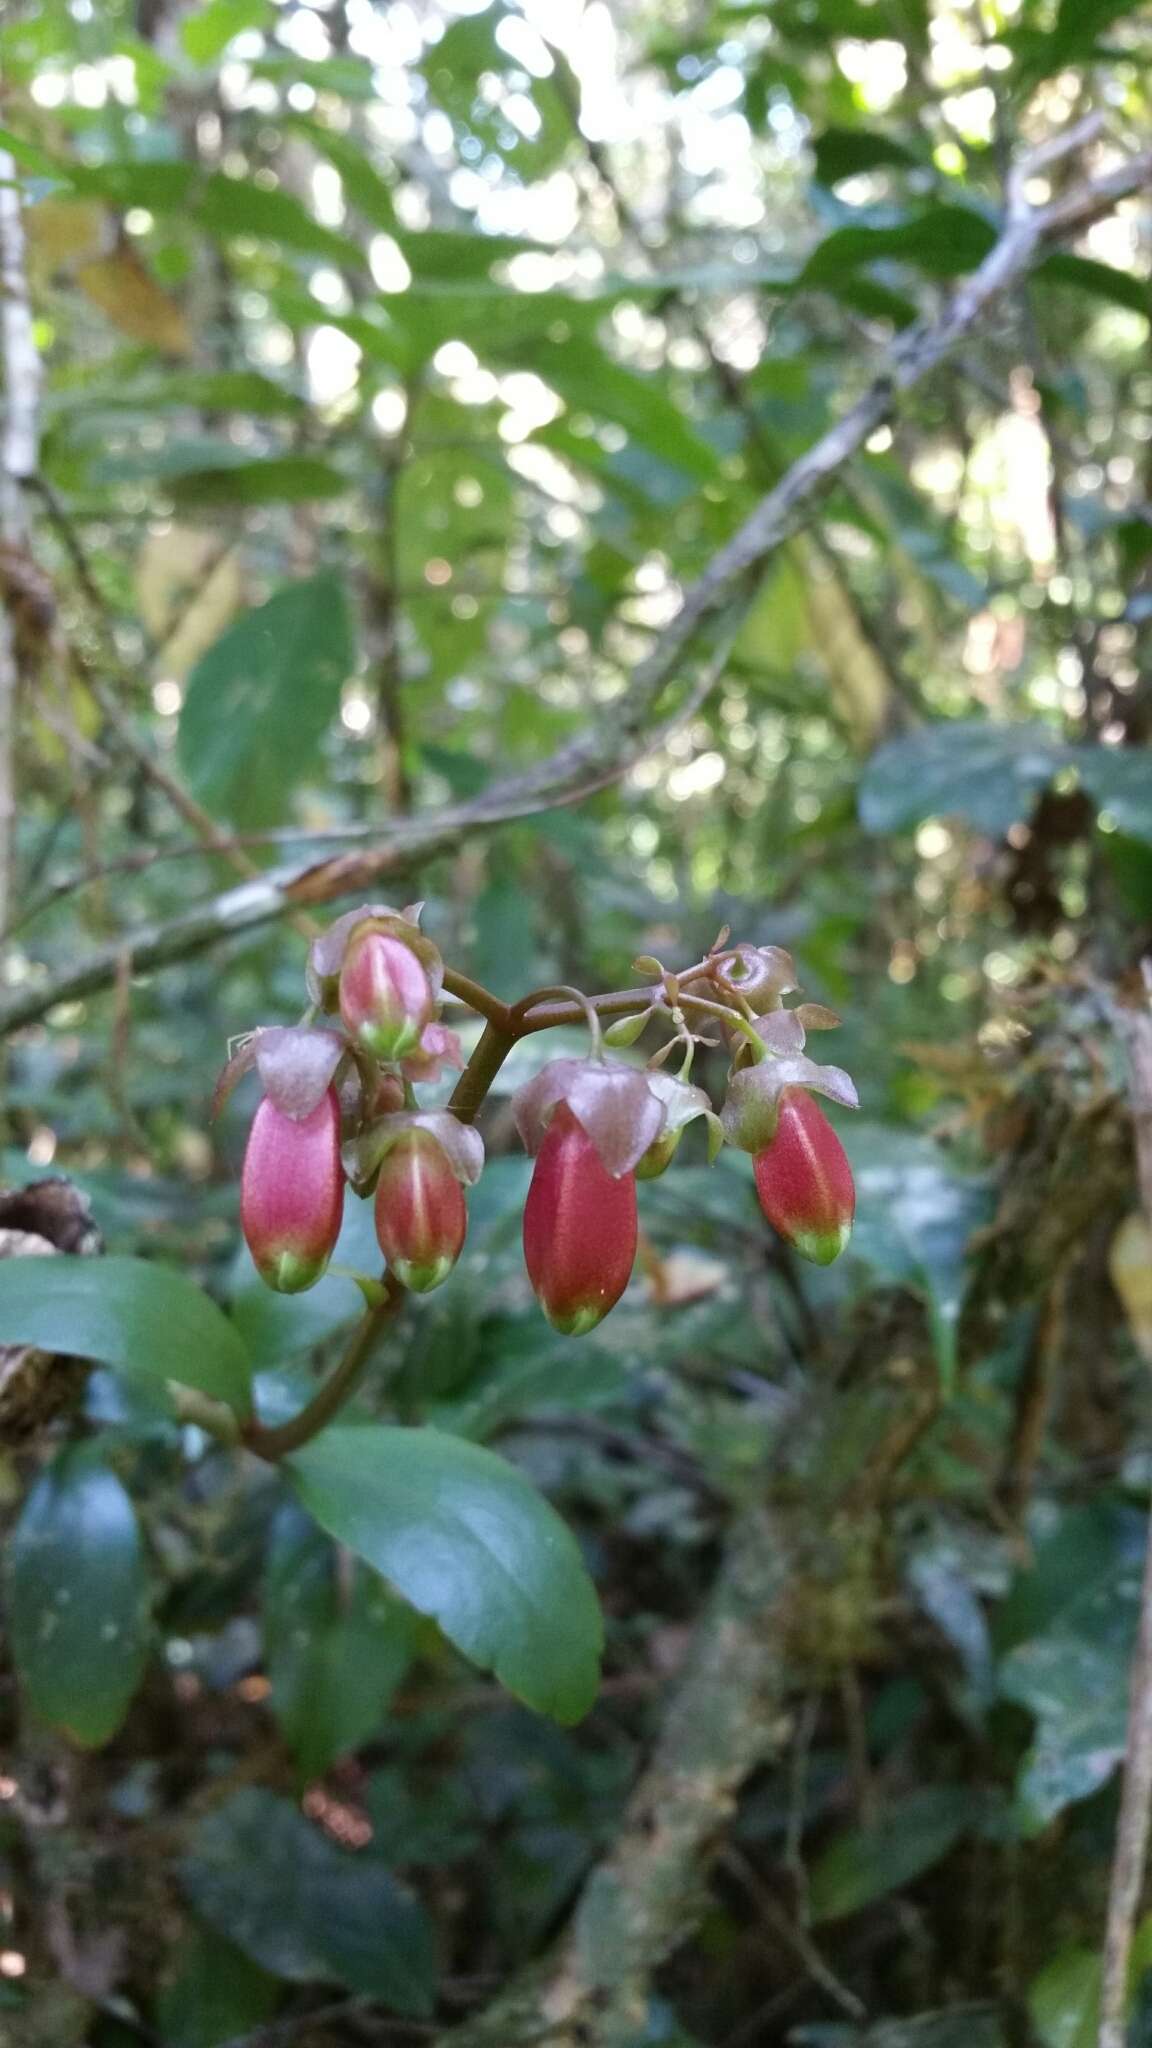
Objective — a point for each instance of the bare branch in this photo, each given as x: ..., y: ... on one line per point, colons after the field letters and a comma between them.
x: 684, y: 659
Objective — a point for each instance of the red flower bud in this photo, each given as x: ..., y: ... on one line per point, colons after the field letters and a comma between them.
x: 421, y: 1215
x: 385, y: 996
x: 292, y: 1193
x: 804, y: 1180
x: 579, y: 1228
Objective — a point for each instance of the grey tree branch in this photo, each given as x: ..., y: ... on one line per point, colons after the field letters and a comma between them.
x: 684, y: 658
x: 1130, y: 1856
x: 728, y: 1714
x: 726, y: 1718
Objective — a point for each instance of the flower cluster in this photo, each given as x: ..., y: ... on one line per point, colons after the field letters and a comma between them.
x: 340, y: 1108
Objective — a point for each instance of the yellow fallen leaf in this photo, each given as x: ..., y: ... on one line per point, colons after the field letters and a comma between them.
x: 130, y: 297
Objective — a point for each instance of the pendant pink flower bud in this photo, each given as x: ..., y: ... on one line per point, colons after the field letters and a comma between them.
x: 386, y: 999
x: 804, y: 1181
x: 327, y: 954
x: 579, y: 1228
x: 292, y: 1192
x: 751, y: 1107
x: 421, y: 1216
x: 617, y: 1106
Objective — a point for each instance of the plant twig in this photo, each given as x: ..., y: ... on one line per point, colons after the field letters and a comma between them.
x: 278, y: 1440
x: 684, y: 658
x: 1130, y: 1855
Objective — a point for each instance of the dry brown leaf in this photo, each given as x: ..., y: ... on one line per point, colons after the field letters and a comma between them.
x: 63, y: 233
x: 130, y: 297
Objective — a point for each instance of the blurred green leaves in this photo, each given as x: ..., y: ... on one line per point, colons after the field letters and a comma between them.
x: 258, y: 703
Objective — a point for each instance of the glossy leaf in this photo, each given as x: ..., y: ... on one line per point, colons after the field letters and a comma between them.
x: 1074, y: 1680
x: 144, y: 1320
x: 78, y: 1598
x: 465, y: 1538
x: 269, y: 1881
x: 336, y: 1645
x: 280, y: 667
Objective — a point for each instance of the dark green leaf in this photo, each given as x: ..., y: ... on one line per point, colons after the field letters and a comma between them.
x: 1102, y: 280
x: 278, y: 670
x: 161, y: 186
x: 217, y: 1993
x: 305, y: 1910
x: 276, y: 480
x: 946, y: 241
x: 465, y: 1538
x: 846, y: 152
x: 213, y: 390
x: 144, y: 1320
x: 990, y: 774
x: 336, y: 1646
x: 883, y: 1855
x: 78, y: 1597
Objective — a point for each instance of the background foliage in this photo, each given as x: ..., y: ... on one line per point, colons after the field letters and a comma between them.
x: 401, y: 365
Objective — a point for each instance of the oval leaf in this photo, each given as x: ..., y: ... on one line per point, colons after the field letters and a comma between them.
x: 141, y: 1319
x: 78, y: 1599
x: 306, y: 1910
x: 465, y: 1538
x: 278, y: 669
x: 335, y: 1654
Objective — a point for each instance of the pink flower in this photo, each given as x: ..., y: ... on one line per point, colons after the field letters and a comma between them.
x: 804, y: 1181
x: 421, y: 1216
x: 386, y: 999
x: 438, y: 1047
x: 579, y: 1228
x: 292, y: 1192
